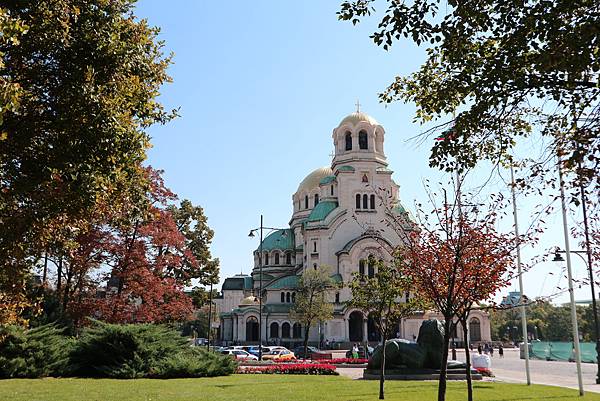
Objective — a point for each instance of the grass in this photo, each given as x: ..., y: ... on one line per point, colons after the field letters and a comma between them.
x: 267, y: 388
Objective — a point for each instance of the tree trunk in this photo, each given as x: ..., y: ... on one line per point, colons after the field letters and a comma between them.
x: 45, y: 273
x: 444, y: 367
x: 467, y: 359
x: 67, y: 286
x: 382, y: 370
x: 306, y: 331
x: 59, y: 273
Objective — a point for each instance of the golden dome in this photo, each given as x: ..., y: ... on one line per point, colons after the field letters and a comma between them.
x: 357, y: 117
x: 312, y: 180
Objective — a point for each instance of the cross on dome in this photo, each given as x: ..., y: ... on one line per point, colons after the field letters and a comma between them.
x: 357, y: 106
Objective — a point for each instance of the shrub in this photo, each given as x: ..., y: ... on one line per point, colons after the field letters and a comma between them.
x: 38, y: 352
x: 125, y: 351
x: 194, y: 362
x: 292, y: 369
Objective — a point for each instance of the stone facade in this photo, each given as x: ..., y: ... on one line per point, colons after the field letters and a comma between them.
x: 343, y: 214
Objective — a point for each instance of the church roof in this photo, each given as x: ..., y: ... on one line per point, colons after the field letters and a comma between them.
x: 322, y: 210
x: 284, y: 282
x: 280, y: 239
x: 314, y: 178
x: 358, y: 117
x: 327, y: 180
x: 346, y: 168
x: 239, y: 282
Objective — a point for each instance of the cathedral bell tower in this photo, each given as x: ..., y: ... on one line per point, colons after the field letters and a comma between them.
x: 358, y: 138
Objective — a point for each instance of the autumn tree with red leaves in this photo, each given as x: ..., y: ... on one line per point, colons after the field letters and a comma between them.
x: 456, y: 261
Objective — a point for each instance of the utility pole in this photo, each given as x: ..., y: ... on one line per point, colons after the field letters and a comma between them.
x: 520, y: 272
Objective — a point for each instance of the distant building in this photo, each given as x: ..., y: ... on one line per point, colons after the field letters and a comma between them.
x: 343, y: 216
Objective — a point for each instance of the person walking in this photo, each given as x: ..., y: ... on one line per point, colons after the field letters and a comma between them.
x: 501, y: 351
x: 479, y: 349
x: 492, y: 350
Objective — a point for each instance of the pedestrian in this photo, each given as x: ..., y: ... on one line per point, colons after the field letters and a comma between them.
x: 492, y: 350
x: 479, y: 349
x: 501, y: 351
x: 454, y: 351
x: 327, y: 343
x: 355, y: 351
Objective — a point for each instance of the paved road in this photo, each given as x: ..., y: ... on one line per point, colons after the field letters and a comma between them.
x: 512, y: 369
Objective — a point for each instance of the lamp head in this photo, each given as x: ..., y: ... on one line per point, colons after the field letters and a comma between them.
x: 251, y: 235
x: 558, y: 257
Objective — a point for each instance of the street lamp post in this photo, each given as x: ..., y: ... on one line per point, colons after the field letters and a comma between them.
x: 558, y: 258
x: 260, y: 289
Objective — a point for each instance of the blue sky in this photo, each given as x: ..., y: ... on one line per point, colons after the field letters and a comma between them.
x: 260, y: 86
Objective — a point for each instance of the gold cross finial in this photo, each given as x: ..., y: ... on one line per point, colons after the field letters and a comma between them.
x: 357, y: 106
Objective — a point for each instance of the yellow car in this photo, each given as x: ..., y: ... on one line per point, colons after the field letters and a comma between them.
x: 279, y: 355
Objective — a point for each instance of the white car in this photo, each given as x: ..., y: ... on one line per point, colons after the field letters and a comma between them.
x: 240, y: 355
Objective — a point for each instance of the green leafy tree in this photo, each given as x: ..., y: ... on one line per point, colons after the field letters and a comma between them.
x: 512, y: 68
x: 311, y: 304
x: 89, y: 74
x: 193, y: 224
x: 383, y: 297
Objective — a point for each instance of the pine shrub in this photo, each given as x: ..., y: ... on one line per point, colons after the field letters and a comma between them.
x: 38, y: 352
x: 194, y: 362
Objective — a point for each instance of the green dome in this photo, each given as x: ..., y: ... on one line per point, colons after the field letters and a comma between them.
x: 358, y: 117
x: 280, y: 239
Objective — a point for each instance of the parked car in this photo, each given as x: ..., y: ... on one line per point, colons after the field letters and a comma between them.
x: 311, y: 353
x: 361, y: 352
x: 240, y: 355
x: 279, y: 355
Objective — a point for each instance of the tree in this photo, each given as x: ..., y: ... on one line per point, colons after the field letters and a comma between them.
x: 384, y: 298
x: 454, y: 263
x: 513, y: 68
x: 311, y: 304
x: 79, y: 89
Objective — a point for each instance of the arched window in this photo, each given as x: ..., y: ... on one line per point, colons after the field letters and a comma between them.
x: 474, y: 330
x: 314, y: 246
x: 372, y: 201
x: 252, y: 329
x: 285, y: 330
x: 316, y: 199
x: 266, y: 259
x: 293, y: 297
x: 276, y: 258
x: 361, y: 267
x: 306, y: 201
x: 337, y: 297
x: 371, y: 266
x: 274, y: 331
x: 288, y: 298
x: 283, y: 297
x: 358, y: 201
x: 348, y: 140
x: 288, y: 258
x: 365, y: 201
x: 332, y: 190
x: 297, y: 330
x: 362, y: 140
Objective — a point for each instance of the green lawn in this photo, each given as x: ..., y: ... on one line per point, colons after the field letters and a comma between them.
x: 266, y: 388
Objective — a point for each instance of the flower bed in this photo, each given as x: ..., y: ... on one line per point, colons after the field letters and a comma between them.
x: 292, y: 369
x: 485, y: 372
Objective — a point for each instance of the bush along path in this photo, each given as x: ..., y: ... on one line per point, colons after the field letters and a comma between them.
x: 105, y: 350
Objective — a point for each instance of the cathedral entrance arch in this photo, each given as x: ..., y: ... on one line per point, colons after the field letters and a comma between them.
x: 355, y: 326
x: 252, y: 329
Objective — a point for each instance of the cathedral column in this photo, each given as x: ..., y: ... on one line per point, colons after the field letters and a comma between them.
x: 365, y: 329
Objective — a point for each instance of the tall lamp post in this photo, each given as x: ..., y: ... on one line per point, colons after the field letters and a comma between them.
x: 260, y: 289
x: 558, y: 258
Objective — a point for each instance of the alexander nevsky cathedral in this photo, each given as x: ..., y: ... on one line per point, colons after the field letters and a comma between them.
x: 343, y: 216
